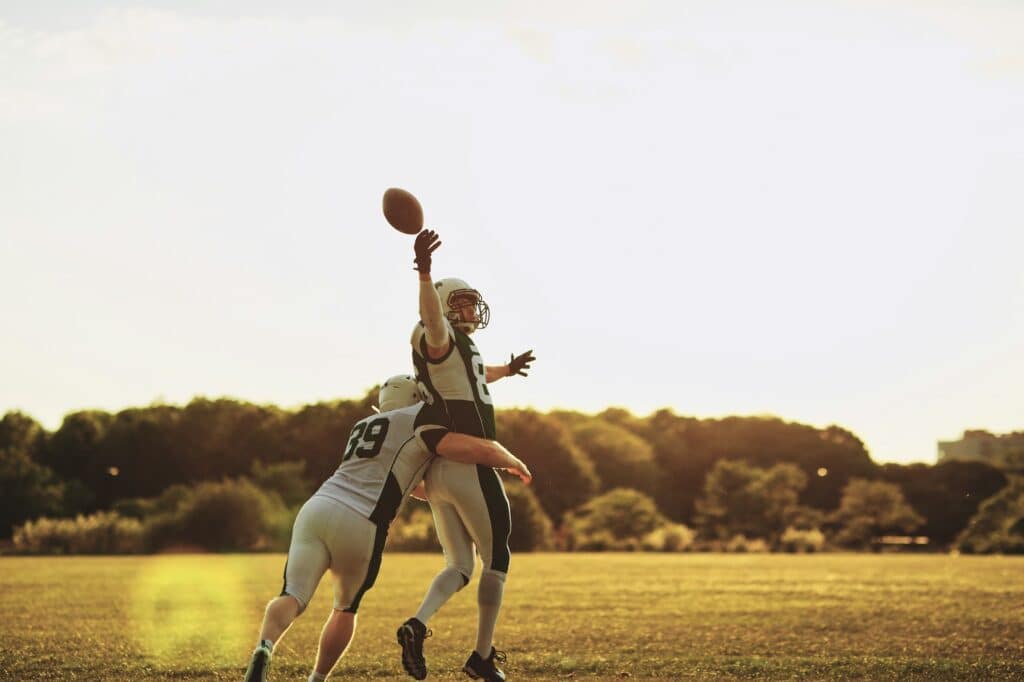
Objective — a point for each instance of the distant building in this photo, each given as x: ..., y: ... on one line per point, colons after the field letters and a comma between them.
x: 1004, y: 451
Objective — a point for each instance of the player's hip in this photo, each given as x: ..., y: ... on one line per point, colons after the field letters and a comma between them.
x: 467, y: 416
x: 331, y: 520
x: 456, y: 482
x: 329, y: 535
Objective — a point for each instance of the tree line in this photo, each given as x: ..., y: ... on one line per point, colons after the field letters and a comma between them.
x: 612, y: 480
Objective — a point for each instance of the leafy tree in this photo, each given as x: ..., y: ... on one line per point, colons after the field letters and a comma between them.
x: 570, y: 418
x: 230, y: 515
x: 413, y: 531
x: 743, y: 500
x: 138, y: 452
x: 74, y: 449
x: 947, y: 495
x: 617, y: 519
x: 999, y: 524
x: 317, y: 434
x: 670, y: 537
x: 223, y: 437
x: 531, y: 527
x: 168, y: 502
x: 285, y: 478
x: 779, y: 488
x: 233, y: 515
x: 870, y: 509
x: 28, y: 490
x: 687, y: 449
x: 679, y: 453
x: 728, y: 506
x: 621, y: 458
x: 139, y: 456
x: 22, y: 432
x: 565, y: 477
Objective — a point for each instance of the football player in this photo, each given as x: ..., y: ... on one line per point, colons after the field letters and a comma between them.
x: 343, y: 526
x: 468, y: 502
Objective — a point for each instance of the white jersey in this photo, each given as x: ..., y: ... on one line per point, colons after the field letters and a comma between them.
x: 457, y: 383
x: 385, y: 458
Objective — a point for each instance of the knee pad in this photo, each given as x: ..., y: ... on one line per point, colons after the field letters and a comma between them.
x: 288, y: 595
x: 464, y: 570
x: 462, y: 574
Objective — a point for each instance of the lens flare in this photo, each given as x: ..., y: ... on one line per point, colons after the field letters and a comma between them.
x: 190, y: 609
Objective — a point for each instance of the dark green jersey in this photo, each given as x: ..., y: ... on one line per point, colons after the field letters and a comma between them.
x: 457, y: 383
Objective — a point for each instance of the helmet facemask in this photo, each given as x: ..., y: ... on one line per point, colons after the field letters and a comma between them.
x: 457, y: 297
x: 461, y: 299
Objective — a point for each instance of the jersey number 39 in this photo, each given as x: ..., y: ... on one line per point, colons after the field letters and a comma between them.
x: 367, y: 439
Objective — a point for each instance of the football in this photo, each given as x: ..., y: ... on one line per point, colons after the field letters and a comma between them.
x: 403, y: 211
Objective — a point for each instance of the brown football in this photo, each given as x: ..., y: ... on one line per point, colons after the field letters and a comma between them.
x: 403, y: 211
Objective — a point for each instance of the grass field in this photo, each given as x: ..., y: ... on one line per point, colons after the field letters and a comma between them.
x: 604, y: 616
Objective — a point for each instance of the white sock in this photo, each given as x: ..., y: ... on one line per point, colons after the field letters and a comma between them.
x: 316, y: 677
x: 267, y: 644
x: 446, y: 583
x: 488, y: 599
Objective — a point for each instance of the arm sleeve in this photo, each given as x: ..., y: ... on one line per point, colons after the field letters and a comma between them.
x: 430, y: 435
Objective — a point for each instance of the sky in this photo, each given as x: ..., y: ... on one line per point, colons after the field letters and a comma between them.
x: 803, y: 209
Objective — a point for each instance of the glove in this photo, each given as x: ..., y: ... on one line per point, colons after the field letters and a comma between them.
x: 516, y: 365
x: 427, y: 242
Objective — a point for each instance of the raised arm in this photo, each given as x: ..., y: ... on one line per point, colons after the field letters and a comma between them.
x: 459, y: 447
x: 431, y: 312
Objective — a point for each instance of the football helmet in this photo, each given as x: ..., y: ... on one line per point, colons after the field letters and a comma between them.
x: 399, y: 391
x: 455, y: 295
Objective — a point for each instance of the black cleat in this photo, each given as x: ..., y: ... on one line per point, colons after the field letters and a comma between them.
x: 411, y: 636
x: 479, y: 667
x: 259, y: 666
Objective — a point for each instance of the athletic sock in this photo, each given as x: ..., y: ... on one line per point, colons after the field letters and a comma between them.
x: 446, y: 583
x: 316, y: 677
x: 488, y: 598
x: 267, y: 644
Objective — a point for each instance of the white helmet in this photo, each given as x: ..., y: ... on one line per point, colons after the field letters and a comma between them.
x: 451, y: 290
x: 397, y: 392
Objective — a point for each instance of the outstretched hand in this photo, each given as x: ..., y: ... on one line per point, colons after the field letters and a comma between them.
x: 427, y: 242
x: 518, y: 363
x: 522, y: 471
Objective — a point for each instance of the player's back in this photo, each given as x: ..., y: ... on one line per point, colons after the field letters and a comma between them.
x: 384, y: 459
x: 457, y: 383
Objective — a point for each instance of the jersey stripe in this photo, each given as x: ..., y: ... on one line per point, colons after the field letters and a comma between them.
x: 373, y: 569
x: 500, y: 515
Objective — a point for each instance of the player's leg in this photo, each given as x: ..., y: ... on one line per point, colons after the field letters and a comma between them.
x: 356, y: 545
x: 457, y: 546
x: 280, y: 614
x: 483, y: 507
x: 458, y: 554
x: 308, y: 559
x: 334, y: 641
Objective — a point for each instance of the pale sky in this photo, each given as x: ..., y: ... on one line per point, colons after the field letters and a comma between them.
x: 806, y: 209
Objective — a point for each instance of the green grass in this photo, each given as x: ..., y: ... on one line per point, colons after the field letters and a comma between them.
x: 566, y: 616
